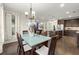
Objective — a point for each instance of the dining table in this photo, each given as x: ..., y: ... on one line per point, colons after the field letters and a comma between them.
x: 35, y: 40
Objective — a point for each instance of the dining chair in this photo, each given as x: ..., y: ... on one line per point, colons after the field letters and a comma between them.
x: 18, y: 35
x: 25, y: 31
x: 44, y: 33
x: 50, y: 50
x: 22, y: 49
x: 18, y: 48
x: 52, y: 33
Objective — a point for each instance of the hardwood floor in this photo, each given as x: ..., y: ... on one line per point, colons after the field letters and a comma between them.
x: 63, y: 47
x: 10, y: 49
x: 66, y: 46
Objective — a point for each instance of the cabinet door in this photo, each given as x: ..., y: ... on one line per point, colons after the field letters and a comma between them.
x: 68, y: 23
x: 61, y: 22
x: 10, y: 28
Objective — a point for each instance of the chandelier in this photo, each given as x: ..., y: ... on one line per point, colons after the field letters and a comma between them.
x: 31, y: 14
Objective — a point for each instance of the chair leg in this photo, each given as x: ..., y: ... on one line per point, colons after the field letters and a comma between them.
x: 26, y: 53
x: 18, y: 50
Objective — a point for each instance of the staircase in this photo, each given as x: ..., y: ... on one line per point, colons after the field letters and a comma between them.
x: 67, y: 46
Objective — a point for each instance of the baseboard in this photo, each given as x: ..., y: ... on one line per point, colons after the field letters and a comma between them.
x: 9, y: 41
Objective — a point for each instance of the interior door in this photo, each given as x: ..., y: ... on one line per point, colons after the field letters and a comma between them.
x: 10, y: 28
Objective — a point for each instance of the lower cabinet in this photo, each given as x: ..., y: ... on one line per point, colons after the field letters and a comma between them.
x: 70, y: 33
x: 78, y: 40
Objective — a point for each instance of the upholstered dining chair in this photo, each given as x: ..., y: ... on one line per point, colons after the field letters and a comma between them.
x: 44, y: 33
x: 22, y: 49
x: 48, y: 50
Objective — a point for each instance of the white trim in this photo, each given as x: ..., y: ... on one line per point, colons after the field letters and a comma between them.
x: 11, y: 38
x: 9, y: 41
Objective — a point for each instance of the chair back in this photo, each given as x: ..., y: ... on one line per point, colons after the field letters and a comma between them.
x: 20, y: 42
x: 52, y: 45
x: 44, y: 33
x: 18, y: 37
x: 52, y: 33
x: 21, y: 45
x: 25, y: 31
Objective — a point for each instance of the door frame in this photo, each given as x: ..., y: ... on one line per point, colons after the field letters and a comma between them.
x: 13, y: 38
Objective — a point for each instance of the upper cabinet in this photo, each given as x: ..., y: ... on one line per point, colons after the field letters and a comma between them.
x: 72, y: 23
x: 60, y: 21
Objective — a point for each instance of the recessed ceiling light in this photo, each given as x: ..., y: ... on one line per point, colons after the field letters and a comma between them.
x: 67, y: 12
x: 62, y: 5
x: 70, y: 16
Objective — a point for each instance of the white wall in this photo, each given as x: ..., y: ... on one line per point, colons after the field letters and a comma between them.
x: 1, y: 27
x: 23, y: 21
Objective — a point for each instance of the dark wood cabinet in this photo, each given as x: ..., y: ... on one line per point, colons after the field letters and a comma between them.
x: 68, y: 23
x: 61, y: 22
x: 78, y: 40
x: 72, y: 23
x: 70, y: 33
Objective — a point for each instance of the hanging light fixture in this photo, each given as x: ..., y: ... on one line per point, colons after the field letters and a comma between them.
x: 26, y: 13
x: 31, y: 14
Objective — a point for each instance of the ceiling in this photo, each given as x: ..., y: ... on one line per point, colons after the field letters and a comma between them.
x: 46, y: 10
